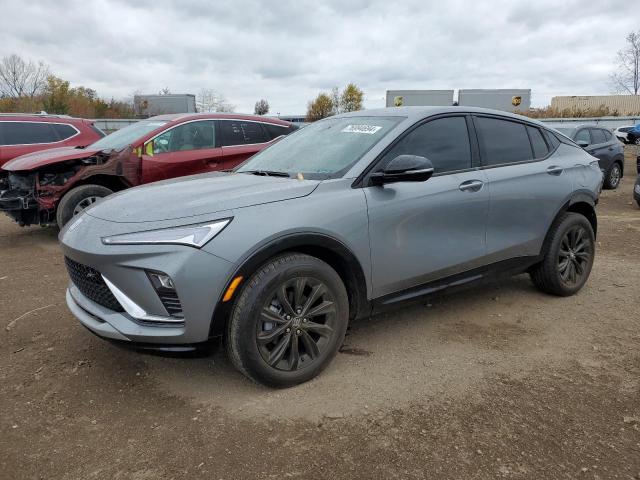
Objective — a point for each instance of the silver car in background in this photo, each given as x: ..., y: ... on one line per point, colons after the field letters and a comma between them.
x: 347, y: 217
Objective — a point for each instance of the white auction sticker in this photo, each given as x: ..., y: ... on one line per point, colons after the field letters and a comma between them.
x: 368, y: 129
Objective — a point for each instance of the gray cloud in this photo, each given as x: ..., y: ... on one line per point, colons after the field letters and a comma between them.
x: 286, y: 51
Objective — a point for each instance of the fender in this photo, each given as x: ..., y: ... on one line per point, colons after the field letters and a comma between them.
x: 322, y: 246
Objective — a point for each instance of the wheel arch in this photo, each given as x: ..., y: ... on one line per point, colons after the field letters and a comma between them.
x: 326, y: 248
x: 114, y: 183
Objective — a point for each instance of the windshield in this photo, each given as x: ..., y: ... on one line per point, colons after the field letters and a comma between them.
x: 126, y: 136
x: 325, y: 149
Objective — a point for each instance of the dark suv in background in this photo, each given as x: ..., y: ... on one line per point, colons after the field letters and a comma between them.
x: 21, y: 134
x: 600, y: 143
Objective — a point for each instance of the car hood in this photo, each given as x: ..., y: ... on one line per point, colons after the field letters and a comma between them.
x: 197, y: 195
x: 34, y: 160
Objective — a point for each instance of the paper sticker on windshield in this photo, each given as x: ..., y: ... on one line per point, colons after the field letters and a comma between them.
x: 368, y: 129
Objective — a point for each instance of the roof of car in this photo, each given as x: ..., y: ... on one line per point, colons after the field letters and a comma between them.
x: 233, y: 116
x: 37, y: 117
x: 416, y: 113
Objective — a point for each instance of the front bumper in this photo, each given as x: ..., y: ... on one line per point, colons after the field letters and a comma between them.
x: 199, y: 279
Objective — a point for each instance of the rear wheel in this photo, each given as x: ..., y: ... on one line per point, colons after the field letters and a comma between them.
x: 613, y: 176
x: 289, y: 321
x: 77, y: 199
x: 568, y: 256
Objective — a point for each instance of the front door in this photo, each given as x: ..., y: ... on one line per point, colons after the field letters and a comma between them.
x: 422, y: 231
x: 186, y: 149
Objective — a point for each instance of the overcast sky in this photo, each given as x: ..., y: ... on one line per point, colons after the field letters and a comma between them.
x: 287, y: 51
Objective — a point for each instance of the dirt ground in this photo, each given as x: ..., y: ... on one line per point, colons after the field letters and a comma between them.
x: 498, y: 382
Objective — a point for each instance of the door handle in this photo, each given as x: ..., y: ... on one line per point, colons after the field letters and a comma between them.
x: 554, y: 170
x: 471, y: 186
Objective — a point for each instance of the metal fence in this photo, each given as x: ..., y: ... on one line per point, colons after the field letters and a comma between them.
x: 610, y: 123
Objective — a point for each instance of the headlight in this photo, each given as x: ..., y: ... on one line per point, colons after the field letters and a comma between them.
x: 190, y: 235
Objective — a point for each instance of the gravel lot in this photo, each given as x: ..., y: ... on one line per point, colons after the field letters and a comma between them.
x: 498, y: 382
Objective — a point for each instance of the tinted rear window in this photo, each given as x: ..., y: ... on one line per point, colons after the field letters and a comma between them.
x: 540, y: 148
x: 275, y: 131
x: 598, y: 136
x: 26, y: 133
x: 502, y: 141
x: 64, y: 131
x: 237, y: 132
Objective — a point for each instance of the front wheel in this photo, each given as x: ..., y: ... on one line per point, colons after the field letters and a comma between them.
x: 568, y: 256
x: 77, y: 199
x: 612, y: 177
x: 289, y: 321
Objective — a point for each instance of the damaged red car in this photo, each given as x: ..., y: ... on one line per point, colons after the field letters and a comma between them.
x: 52, y: 186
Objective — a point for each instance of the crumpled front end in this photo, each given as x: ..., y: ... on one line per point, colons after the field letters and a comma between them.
x: 31, y: 197
x: 18, y: 197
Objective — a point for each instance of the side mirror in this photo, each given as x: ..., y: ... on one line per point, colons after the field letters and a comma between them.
x: 582, y: 143
x: 404, y: 168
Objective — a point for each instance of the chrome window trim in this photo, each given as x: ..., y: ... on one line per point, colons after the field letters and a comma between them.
x: 41, y: 143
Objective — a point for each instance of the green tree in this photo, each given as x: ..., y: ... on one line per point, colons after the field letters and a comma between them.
x: 56, y: 95
x: 319, y: 108
x: 351, y: 98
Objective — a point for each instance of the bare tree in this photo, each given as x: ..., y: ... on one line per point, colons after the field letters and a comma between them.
x: 19, y: 78
x: 210, y: 101
x: 165, y: 91
x: 262, y: 107
x: 627, y: 77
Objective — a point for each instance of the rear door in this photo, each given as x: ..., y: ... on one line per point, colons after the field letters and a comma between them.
x: 185, y: 149
x: 527, y: 183
x: 601, y: 148
x: 241, y: 139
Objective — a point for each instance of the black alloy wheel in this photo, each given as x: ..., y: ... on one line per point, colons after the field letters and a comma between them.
x: 574, y: 256
x: 296, y: 323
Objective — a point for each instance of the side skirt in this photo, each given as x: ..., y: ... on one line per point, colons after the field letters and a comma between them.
x: 486, y: 274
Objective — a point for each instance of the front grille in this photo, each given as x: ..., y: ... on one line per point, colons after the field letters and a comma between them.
x: 172, y: 303
x: 89, y: 281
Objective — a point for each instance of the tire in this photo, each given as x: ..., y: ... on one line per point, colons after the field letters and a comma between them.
x: 613, y: 176
x: 262, y: 329
x: 549, y: 275
x: 77, y: 199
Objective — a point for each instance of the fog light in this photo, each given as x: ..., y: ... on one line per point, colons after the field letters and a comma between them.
x: 161, y: 281
x: 166, y: 290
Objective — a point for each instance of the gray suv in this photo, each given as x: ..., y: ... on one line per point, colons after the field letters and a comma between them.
x: 347, y: 217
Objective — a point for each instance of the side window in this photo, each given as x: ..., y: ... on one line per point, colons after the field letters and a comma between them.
x: 583, y: 136
x: 608, y: 135
x: 27, y: 133
x: 275, y: 131
x: 540, y: 148
x: 188, y: 136
x: 552, y: 139
x: 444, y: 141
x: 502, y: 141
x: 64, y: 131
x: 597, y: 135
x: 237, y: 132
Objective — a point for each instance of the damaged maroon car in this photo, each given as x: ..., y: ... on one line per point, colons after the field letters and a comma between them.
x: 52, y: 186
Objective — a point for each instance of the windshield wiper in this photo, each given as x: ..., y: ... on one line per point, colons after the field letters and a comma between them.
x: 267, y: 173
